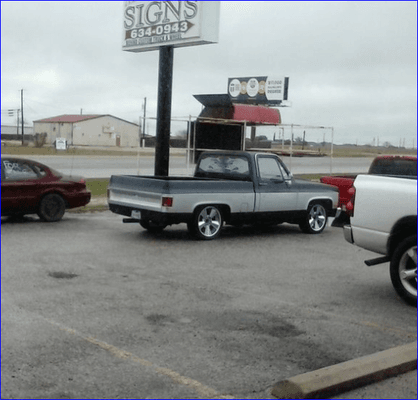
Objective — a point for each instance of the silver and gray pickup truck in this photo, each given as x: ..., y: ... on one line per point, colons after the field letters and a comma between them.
x: 235, y: 188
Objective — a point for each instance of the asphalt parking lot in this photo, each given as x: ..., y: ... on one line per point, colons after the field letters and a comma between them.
x: 94, y: 308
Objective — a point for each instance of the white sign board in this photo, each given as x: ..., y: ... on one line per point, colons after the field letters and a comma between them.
x: 60, y: 144
x: 259, y: 89
x: 150, y: 24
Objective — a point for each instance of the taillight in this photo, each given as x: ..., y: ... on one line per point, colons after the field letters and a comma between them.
x: 167, y: 202
x: 350, y: 204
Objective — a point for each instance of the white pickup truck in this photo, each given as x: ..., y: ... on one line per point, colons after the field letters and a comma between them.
x: 384, y: 220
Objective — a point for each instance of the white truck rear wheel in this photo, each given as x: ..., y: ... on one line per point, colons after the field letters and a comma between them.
x: 403, y: 270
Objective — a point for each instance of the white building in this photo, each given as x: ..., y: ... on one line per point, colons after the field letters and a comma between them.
x: 89, y: 130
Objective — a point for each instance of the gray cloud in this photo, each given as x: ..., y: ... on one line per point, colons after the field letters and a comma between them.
x: 352, y: 65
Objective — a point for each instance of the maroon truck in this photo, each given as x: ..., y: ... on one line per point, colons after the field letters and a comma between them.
x: 401, y: 166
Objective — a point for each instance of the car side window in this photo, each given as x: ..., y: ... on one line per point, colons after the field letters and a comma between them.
x: 18, y: 171
x: 269, y: 168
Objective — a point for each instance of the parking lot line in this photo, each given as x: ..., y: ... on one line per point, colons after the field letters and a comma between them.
x: 199, y: 388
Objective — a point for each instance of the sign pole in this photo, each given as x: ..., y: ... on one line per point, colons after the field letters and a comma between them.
x: 165, y: 83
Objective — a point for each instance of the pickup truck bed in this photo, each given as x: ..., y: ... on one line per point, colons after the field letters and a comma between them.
x: 146, y: 193
x: 385, y: 165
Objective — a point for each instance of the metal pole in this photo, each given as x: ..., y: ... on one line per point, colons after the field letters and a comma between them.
x: 188, y: 144
x: 194, y: 141
x: 165, y: 83
x: 332, y: 147
x: 291, y: 147
x: 21, y: 108
x: 244, y: 134
x: 143, y: 125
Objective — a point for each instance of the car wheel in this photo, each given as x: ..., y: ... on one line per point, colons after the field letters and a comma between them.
x: 316, y: 219
x: 51, y: 208
x: 403, y: 270
x: 151, y: 226
x: 207, y: 223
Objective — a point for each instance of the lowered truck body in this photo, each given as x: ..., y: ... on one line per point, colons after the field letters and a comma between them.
x: 227, y: 187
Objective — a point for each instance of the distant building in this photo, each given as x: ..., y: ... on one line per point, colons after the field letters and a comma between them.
x: 89, y: 130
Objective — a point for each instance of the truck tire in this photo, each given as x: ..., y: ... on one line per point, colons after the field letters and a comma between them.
x: 403, y: 270
x: 207, y: 223
x: 315, y: 220
x: 151, y: 226
x: 51, y: 208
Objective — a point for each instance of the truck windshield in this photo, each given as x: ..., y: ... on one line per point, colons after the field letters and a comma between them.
x: 389, y: 166
x: 225, y: 167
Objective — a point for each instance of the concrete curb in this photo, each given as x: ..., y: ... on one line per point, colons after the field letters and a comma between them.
x: 339, y: 378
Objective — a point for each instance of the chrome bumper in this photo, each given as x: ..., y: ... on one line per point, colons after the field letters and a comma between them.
x: 348, y: 234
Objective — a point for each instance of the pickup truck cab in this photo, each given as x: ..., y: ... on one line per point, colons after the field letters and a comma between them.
x: 235, y: 188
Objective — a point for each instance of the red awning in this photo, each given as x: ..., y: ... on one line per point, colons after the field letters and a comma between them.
x: 255, y: 114
x: 252, y: 115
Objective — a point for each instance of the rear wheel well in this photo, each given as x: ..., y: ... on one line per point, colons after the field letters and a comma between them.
x: 405, y: 227
x: 223, y: 208
x: 54, y: 192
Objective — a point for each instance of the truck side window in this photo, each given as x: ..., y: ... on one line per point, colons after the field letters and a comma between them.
x: 269, y: 168
x: 286, y: 173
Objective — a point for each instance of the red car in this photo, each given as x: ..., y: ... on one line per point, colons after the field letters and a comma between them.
x: 29, y: 187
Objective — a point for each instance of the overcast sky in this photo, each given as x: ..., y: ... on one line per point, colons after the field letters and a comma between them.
x: 352, y: 65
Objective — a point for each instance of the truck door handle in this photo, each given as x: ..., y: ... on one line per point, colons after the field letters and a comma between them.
x: 262, y: 184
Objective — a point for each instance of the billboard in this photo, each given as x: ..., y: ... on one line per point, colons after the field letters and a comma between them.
x: 147, y: 25
x: 270, y: 90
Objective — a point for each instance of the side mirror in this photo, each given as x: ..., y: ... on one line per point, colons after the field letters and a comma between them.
x: 277, y: 180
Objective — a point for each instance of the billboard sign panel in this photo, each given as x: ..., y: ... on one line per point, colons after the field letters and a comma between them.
x: 147, y: 25
x: 270, y: 90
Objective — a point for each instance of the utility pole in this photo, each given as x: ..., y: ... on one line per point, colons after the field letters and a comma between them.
x: 21, y: 109
x: 303, y: 141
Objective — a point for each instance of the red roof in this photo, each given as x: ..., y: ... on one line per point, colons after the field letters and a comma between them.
x: 69, y: 118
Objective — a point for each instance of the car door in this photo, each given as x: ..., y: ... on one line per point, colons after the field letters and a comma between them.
x: 275, y: 192
x: 19, y: 186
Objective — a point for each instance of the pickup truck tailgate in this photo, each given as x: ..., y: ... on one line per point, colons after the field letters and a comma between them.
x: 137, y: 191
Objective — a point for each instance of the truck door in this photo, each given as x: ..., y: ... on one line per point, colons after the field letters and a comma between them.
x: 274, y: 192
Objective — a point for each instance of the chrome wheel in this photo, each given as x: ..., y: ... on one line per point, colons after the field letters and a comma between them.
x: 208, y: 223
x: 316, y: 219
x: 408, y: 270
x: 403, y: 270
